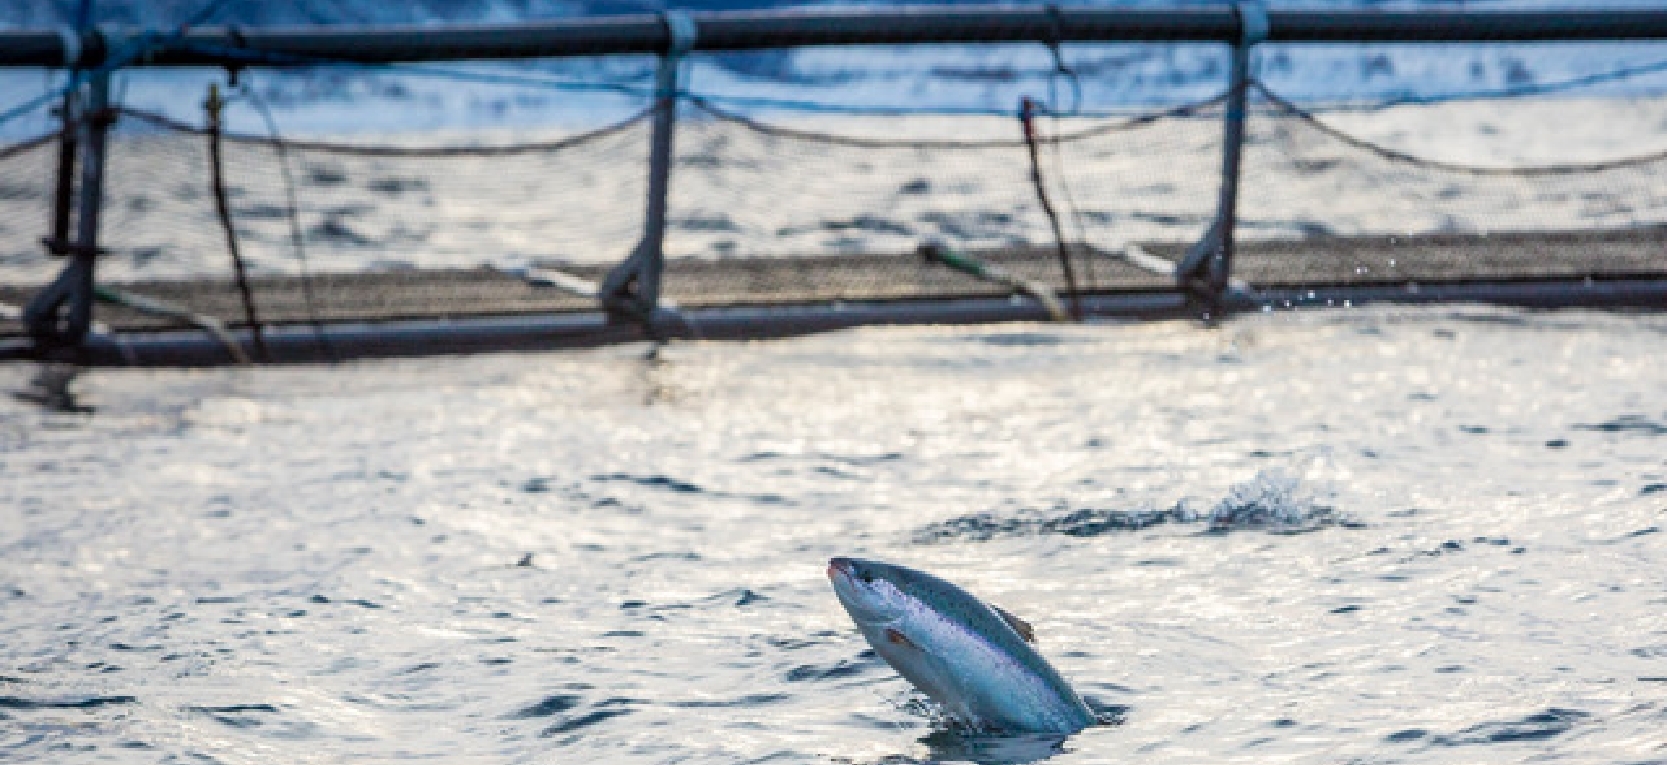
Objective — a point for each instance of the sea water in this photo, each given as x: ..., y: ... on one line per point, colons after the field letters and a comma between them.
x: 1372, y: 535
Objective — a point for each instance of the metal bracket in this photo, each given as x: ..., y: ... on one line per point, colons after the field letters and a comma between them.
x: 61, y: 314
x: 632, y: 289
x: 72, y: 48
x: 1253, y: 22
x: 1205, y: 272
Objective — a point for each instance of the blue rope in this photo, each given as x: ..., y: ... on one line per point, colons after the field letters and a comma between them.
x: 145, y: 43
x: 151, y: 41
x: 1497, y: 94
x: 643, y: 91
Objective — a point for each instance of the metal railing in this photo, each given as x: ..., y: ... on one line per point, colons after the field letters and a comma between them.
x: 60, y: 314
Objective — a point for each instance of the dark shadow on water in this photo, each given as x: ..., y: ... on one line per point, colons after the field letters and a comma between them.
x: 982, y: 527
x: 1626, y: 423
x: 1535, y: 727
x: 50, y: 389
x: 951, y: 745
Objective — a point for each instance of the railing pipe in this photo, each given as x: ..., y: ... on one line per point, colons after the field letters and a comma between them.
x: 62, y: 313
x: 632, y: 289
x: 63, y: 193
x: 1208, y: 266
x: 641, y: 34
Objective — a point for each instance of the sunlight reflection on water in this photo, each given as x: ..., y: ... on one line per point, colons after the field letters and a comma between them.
x: 586, y: 556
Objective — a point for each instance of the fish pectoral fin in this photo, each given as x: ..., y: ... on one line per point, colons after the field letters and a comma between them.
x: 1019, y: 625
x: 900, y: 638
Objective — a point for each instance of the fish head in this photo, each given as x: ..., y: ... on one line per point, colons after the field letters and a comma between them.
x: 873, y: 593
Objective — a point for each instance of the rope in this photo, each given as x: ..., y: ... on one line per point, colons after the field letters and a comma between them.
x: 139, y: 48
x: 253, y: 57
x: 223, y: 208
x: 330, y: 147
x: 293, y: 213
x: 249, y: 57
x: 1549, y: 88
x: 1396, y: 155
x: 779, y: 131
x: 24, y: 146
x: 1027, y: 114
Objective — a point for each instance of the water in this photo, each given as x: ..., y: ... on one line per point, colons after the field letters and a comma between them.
x: 1409, y: 535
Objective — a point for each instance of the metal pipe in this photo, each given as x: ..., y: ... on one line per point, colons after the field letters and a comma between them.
x: 477, y: 334
x: 633, y: 287
x: 63, y: 193
x: 61, y: 314
x: 641, y: 34
x: 1205, y: 272
x: 1253, y: 22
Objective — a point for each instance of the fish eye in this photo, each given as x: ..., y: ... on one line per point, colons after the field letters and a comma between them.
x: 867, y: 578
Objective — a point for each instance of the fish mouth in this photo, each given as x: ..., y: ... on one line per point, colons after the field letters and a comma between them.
x: 839, y: 567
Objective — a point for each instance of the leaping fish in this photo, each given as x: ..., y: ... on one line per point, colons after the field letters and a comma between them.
x: 972, y: 658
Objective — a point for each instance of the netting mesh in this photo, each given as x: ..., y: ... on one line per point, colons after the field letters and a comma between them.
x: 1450, y: 191
x: 568, y: 196
x: 28, y: 176
x: 861, y: 201
x: 1307, y: 180
x: 789, y: 204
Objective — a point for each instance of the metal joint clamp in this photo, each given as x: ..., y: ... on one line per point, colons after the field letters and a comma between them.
x: 683, y: 33
x: 1253, y: 22
x: 71, y: 40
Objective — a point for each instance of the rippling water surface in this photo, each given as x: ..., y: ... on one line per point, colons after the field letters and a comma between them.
x: 1390, y: 535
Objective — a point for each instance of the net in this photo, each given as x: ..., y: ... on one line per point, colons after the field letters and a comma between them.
x: 779, y: 198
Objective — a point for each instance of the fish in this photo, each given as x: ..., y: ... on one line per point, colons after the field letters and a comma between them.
x: 974, y: 659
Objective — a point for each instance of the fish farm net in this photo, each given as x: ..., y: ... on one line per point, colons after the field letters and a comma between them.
x: 776, y: 204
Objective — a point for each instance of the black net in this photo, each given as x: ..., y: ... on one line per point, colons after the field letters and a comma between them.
x: 852, y: 198
x: 369, y: 206
x: 1562, y: 180
x: 778, y: 199
x: 28, y: 177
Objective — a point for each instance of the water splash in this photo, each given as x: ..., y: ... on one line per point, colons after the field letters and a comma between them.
x: 1275, y: 501
x: 1272, y: 501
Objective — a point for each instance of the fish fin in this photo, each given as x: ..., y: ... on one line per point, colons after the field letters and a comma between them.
x: 1019, y: 625
x: 900, y: 638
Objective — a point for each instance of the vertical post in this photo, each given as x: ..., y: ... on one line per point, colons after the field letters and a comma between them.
x: 61, y: 313
x: 63, y: 196
x: 1204, y: 273
x: 632, y: 289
